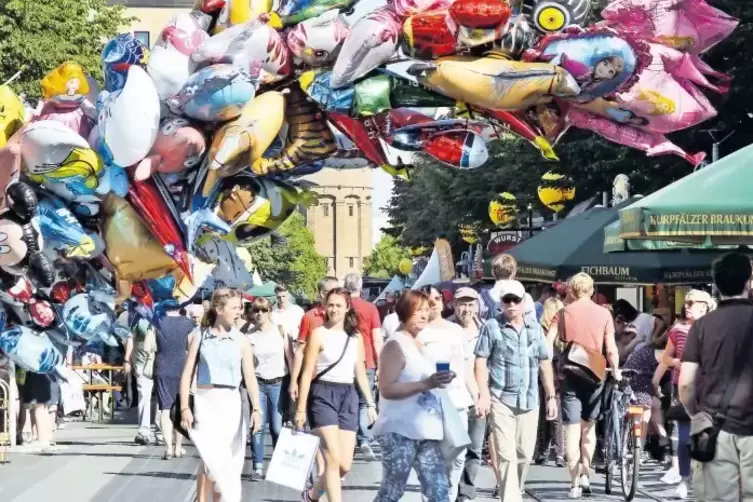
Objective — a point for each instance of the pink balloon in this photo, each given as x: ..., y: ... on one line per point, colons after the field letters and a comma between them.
x: 690, y: 25
x: 75, y: 118
x: 178, y: 146
x: 406, y: 8
x: 651, y: 143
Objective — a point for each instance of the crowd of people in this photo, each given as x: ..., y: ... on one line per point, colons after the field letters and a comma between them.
x: 233, y: 367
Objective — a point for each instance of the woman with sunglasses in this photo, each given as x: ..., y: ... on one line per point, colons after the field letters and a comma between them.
x: 272, y: 358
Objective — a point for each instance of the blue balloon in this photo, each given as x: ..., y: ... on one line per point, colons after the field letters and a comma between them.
x: 162, y: 288
x: 61, y: 230
x: 216, y: 93
x: 119, y: 54
x: 31, y: 350
x: 332, y: 100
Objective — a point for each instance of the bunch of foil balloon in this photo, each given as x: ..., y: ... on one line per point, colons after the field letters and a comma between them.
x: 146, y: 190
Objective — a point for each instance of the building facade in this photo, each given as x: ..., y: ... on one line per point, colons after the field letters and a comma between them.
x: 342, y: 220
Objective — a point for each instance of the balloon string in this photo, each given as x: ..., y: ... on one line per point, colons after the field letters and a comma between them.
x: 15, y: 75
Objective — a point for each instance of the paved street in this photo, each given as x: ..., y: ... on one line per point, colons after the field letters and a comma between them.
x: 100, y: 463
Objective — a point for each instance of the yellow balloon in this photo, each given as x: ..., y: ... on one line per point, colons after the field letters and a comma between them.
x: 503, y: 209
x: 555, y: 191
x: 494, y: 82
x: 468, y: 234
x: 405, y: 266
x: 11, y: 114
x: 253, y: 132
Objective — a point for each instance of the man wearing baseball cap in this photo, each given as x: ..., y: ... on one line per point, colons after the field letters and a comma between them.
x: 510, y: 353
x: 504, y: 268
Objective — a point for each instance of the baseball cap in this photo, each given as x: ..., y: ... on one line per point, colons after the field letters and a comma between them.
x: 466, y: 293
x: 507, y: 287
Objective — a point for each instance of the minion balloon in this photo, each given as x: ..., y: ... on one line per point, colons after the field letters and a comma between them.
x: 556, y: 190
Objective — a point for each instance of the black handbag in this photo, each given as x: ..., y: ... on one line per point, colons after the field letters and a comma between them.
x: 586, y: 365
x: 175, y: 411
x: 702, y: 444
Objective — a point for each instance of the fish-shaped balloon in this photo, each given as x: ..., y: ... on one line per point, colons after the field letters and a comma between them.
x: 129, y: 120
x: 317, y: 41
x: 29, y: 349
x: 290, y: 12
x: 118, y: 55
x: 178, y: 146
x: 372, y: 42
x: 53, y: 152
x: 216, y: 93
x: 243, y: 141
x: 250, y: 46
x: 309, y: 137
x: 62, y: 231
x: 452, y: 142
x: 495, y: 82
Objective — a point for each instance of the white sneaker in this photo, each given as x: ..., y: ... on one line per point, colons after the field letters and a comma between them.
x: 367, y: 452
x: 575, y: 493
x: 672, y: 477
x: 585, y: 484
x: 681, y: 492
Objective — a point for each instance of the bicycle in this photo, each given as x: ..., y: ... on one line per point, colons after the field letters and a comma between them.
x: 623, y: 443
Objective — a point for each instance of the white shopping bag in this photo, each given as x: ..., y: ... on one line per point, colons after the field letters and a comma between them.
x: 292, y: 459
x: 71, y: 396
x: 456, y: 437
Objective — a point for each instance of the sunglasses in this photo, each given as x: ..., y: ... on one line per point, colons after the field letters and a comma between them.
x: 257, y: 310
x: 511, y: 299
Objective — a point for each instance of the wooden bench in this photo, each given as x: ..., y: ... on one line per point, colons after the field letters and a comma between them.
x: 99, y: 389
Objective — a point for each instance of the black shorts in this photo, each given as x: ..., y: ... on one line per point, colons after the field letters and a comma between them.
x: 40, y: 389
x: 167, y: 391
x: 332, y: 403
x: 580, y: 402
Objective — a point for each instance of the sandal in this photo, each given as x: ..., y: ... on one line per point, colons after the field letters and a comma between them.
x: 168, y: 455
x: 180, y: 453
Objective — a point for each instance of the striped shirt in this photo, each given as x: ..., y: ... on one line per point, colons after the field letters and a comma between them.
x: 513, y: 360
x: 678, y: 335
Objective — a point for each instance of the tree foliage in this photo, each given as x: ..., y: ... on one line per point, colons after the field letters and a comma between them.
x: 384, y: 260
x: 438, y: 199
x: 291, y: 258
x: 39, y: 35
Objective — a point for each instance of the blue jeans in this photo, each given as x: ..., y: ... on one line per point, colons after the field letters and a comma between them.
x: 400, y: 455
x: 683, y: 451
x: 269, y: 398
x: 364, y: 434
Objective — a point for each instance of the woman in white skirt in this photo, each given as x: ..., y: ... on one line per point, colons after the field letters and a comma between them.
x: 221, y: 358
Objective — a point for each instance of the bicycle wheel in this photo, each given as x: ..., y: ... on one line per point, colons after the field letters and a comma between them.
x: 630, y: 459
x: 610, y: 459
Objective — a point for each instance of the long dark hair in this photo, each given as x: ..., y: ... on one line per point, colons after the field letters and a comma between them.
x: 350, y: 321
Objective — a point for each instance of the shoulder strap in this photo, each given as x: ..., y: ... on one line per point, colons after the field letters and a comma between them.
x: 737, y: 369
x: 331, y: 366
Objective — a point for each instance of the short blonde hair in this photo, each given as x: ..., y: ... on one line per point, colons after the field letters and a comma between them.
x: 551, y: 307
x: 580, y: 285
x: 504, y: 266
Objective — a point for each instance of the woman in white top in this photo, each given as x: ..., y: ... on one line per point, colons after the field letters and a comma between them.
x: 333, y: 359
x: 272, y: 356
x: 445, y: 342
x: 410, y: 427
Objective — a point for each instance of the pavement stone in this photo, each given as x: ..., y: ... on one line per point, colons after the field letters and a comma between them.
x: 100, y: 463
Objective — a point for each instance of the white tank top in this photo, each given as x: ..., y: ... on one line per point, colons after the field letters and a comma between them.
x: 333, y: 342
x: 418, y: 417
x: 269, y: 353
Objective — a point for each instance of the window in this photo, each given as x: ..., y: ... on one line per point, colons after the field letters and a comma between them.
x: 325, y: 209
x: 142, y: 36
x: 350, y: 213
x: 351, y: 260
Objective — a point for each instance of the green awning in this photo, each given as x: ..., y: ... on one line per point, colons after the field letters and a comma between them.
x: 577, y: 245
x: 265, y: 290
x: 713, y: 205
x: 613, y: 243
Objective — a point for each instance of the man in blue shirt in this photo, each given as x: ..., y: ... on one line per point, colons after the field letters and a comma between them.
x: 510, y: 352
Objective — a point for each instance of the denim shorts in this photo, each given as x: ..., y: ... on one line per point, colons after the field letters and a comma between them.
x: 333, y: 403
